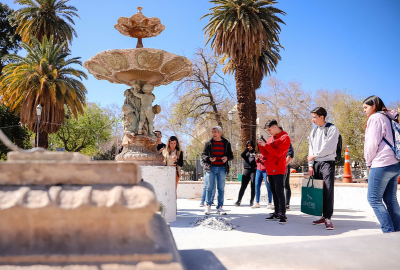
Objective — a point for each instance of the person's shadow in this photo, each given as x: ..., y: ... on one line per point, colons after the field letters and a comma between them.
x: 298, y: 224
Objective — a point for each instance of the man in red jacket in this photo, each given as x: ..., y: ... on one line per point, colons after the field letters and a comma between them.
x: 275, y: 150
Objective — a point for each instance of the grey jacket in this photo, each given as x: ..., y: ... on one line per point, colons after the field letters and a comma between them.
x: 321, y: 146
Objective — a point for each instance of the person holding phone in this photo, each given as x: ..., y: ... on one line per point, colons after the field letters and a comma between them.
x: 275, y: 150
x: 249, y: 172
x: 216, y: 154
x: 173, y: 156
x: 260, y: 175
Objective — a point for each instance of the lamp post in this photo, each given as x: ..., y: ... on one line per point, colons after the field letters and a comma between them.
x: 38, y: 113
x: 230, y: 116
x: 237, y: 160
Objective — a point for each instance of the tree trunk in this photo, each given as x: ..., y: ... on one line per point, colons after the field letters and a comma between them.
x: 43, y: 139
x: 246, y: 101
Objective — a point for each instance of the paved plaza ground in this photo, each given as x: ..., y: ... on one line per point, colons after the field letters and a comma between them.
x: 357, y: 241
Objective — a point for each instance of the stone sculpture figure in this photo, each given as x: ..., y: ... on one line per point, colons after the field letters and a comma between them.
x: 131, y: 113
x: 146, y: 110
x: 138, y: 110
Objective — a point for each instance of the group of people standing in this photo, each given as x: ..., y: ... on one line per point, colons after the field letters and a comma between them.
x: 271, y: 163
x: 255, y: 172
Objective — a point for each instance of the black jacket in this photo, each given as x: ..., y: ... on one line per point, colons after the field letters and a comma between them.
x: 290, y: 152
x: 249, y: 160
x: 208, y: 153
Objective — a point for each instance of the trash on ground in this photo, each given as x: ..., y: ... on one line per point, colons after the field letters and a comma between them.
x: 215, y: 223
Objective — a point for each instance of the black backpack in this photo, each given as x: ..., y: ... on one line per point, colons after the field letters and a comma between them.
x: 338, y: 157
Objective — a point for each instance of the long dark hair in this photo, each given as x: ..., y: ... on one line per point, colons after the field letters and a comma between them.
x: 376, y: 103
x: 252, y: 145
x: 173, y: 139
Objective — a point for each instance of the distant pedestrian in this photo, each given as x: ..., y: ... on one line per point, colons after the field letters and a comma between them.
x: 216, y: 154
x: 173, y: 156
x: 275, y: 151
x: 260, y: 175
x: 160, y: 144
x: 249, y: 172
x: 382, y: 163
x: 288, y: 191
x: 321, y: 161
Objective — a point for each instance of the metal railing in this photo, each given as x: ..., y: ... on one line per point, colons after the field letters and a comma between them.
x: 193, y: 171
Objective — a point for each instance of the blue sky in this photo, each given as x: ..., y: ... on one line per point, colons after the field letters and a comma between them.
x: 339, y: 44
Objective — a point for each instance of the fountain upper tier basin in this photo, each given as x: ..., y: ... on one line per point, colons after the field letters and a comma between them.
x: 127, y: 66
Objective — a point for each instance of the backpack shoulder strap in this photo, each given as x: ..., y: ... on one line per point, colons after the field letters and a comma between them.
x: 314, y: 131
x: 327, y: 126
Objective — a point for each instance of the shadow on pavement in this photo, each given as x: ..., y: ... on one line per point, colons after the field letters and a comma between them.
x: 199, y: 259
x: 298, y: 224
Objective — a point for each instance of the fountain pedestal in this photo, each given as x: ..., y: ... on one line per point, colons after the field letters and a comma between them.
x: 141, y: 149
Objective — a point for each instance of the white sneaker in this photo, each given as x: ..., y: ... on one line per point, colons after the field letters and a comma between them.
x: 221, y: 211
x: 207, y: 211
x: 270, y: 206
x: 256, y: 205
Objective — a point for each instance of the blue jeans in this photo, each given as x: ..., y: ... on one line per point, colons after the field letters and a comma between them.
x: 217, y: 175
x: 382, y: 184
x: 259, y: 177
x: 203, y: 195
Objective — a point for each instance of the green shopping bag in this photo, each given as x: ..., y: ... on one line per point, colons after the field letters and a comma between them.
x: 312, y: 193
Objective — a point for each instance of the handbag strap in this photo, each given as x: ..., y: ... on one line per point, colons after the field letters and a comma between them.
x: 312, y: 182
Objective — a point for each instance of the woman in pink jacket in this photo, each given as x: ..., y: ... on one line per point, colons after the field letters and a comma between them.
x: 382, y: 163
x: 260, y: 174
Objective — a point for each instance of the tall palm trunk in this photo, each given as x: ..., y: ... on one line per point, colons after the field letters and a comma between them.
x: 43, y: 139
x: 246, y: 100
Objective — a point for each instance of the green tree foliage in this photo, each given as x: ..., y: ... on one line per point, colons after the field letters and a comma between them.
x: 108, y: 154
x: 44, y: 77
x: 348, y: 116
x: 9, y: 40
x: 45, y: 18
x: 86, y: 133
x: 9, y: 124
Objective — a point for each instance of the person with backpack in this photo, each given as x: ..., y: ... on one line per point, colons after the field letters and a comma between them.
x: 323, y: 146
x: 382, y: 155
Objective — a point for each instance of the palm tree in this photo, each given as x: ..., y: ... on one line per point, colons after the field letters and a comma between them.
x: 40, y: 18
x: 241, y: 29
x: 262, y: 66
x: 43, y: 77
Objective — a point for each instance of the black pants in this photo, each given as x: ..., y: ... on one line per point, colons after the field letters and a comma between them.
x: 249, y: 175
x: 326, y: 170
x: 276, y: 182
x: 286, y: 184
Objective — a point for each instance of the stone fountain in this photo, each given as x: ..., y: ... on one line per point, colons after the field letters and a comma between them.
x: 141, y: 69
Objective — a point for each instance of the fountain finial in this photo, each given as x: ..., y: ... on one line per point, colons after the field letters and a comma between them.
x: 139, y: 26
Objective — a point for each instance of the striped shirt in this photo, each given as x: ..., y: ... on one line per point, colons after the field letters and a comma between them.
x: 218, y: 153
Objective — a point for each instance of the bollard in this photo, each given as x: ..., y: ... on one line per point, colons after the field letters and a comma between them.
x: 347, y: 177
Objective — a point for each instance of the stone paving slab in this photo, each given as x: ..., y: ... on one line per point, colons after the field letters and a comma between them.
x: 356, y: 252
x: 352, y: 228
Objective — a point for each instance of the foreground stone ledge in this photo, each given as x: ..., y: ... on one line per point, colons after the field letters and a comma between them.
x: 73, y: 220
x: 45, y: 172
x: 145, y: 265
x: 47, y: 156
